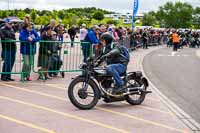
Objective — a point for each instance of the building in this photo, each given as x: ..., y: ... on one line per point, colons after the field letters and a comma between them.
x: 123, y: 16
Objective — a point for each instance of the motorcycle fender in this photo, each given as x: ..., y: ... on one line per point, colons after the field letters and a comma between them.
x: 135, y: 75
x: 145, y: 81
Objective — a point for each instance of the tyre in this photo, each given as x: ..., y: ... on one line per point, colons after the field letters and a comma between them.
x: 80, y: 98
x: 135, y: 99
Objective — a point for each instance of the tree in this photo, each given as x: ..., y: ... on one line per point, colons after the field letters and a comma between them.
x: 196, y: 18
x: 83, y: 21
x: 178, y: 15
x: 197, y: 10
x: 112, y: 22
x: 21, y: 14
x: 98, y: 15
x: 61, y: 14
x: 27, y: 11
x: 33, y: 15
x: 4, y: 14
x: 149, y: 19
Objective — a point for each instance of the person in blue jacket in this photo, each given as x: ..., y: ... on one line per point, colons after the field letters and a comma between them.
x: 92, y: 39
x: 28, y: 38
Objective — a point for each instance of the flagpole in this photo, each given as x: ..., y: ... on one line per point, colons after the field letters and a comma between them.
x: 133, y: 17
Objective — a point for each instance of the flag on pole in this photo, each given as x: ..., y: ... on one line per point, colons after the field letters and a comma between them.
x: 135, y: 10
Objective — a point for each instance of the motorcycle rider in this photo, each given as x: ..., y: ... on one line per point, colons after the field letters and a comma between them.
x: 117, y: 61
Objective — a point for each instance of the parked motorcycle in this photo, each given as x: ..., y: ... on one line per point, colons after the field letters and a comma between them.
x: 95, y: 83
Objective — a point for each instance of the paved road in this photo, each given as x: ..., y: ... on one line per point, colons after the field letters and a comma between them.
x: 177, y: 75
x: 43, y: 107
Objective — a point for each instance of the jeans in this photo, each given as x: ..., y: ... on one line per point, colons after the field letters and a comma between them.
x: 28, y: 61
x: 116, y: 70
x: 86, y: 48
x: 145, y: 45
x: 9, y: 59
x: 175, y: 46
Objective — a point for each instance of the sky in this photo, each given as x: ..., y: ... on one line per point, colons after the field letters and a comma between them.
x: 121, y: 6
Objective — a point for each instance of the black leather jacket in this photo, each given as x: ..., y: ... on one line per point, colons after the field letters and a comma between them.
x: 8, y: 34
x: 114, y: 56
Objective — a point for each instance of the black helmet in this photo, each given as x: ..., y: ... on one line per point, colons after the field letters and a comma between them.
x: 107, y: 37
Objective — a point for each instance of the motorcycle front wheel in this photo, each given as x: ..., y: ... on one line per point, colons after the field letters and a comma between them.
x: 83, y: 95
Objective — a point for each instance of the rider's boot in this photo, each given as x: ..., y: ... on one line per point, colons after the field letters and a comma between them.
x: 119, y: 90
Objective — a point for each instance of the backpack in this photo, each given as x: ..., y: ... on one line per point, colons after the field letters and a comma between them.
x: 124, y: 53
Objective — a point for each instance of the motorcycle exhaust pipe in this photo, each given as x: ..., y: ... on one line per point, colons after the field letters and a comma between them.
x: 137, y: 88
x: 137, y: 92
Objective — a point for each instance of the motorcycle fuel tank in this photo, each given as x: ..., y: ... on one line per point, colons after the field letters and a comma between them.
x: 100, y: 70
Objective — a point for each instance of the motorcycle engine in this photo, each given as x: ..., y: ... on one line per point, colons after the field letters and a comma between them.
x: 107, y: 82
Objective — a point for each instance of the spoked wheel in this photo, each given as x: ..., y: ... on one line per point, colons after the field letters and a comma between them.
x: 135, y: 99
x: 83, y: 95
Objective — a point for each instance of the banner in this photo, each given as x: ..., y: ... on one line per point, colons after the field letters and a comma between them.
x: 135, y: 7
x: 135, y: 10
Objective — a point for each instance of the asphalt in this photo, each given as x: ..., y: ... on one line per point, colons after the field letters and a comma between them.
x: 177, y: 76
x: 37, y: 106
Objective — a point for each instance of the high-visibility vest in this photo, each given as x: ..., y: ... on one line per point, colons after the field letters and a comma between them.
x: 175, y: 38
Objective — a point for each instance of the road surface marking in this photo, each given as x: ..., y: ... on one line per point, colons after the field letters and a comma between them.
x: 173, y: 55
x: 149, y: 108
x: 31, y: 91
x: 141, y: 119
x: 152, y: 109
x: 61, y: 86
x: 64, y: 99
x: 65, y: 114
x: 198, y: 53
x: 26, y: 124
x: 106, y: 110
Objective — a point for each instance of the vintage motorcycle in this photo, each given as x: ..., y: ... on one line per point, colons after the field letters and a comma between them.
x: 95, y: 83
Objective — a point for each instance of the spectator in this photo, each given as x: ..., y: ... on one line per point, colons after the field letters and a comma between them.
x: 176, y: 40
x: 115, y: 35
x: 144, y: 40
x: 61, y: 31
x: 52, y: 24
x: 92, y: 38
x: 27, y: 20
x: 29, y: 37
x: 55, y: 61
x: 72, y: 34
x: 84, y: 44
x: 44, y: 53
x: 8, y: 50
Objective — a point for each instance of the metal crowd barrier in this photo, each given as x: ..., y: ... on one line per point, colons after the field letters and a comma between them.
x: 10, y: 57
x: 56, y: 56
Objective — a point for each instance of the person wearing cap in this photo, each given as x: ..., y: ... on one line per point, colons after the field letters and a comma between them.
x: 8, y: 50
x: 85, y: 48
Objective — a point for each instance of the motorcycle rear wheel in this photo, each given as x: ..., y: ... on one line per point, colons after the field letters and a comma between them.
x: 135, y: 99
